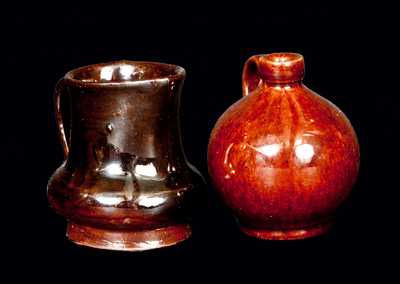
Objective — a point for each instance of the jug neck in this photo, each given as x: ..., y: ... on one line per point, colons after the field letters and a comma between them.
x: 281, y: 68
x: 272, y: 69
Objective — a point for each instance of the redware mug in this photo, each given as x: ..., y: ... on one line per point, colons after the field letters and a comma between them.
x: 125, y: 183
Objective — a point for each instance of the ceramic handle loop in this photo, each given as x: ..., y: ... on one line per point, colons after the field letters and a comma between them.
x: 59, y: 90
x: 251, y: 78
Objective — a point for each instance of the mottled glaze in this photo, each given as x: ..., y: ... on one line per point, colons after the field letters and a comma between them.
x: 283, y: 158
x: 125, y: 183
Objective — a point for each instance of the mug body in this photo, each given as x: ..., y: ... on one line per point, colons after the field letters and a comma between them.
x: 125, y: 183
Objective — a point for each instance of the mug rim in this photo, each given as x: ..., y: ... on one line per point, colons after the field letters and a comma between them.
x: 177, y: 73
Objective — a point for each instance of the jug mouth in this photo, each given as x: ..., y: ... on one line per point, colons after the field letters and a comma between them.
x: 281, y: 67
x: 124, y: 72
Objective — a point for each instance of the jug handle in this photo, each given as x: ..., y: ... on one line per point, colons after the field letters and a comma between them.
x: 60, y: 87
x: 250, y: 78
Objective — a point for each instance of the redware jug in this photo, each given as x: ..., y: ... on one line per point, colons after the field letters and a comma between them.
x: 283, y: 158
x: 125, y: 183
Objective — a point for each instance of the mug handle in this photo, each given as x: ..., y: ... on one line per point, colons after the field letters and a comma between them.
x: 250, y: 78
x: 59, y: 90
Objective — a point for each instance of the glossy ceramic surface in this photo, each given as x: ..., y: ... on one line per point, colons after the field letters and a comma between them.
x: 125, y: 183
x: 283, y: 158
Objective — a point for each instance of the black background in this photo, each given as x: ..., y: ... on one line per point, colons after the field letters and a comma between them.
x: 348, y: 54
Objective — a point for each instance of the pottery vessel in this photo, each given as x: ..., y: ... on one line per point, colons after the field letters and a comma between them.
x: 125, y: 183
x: 283, y: 158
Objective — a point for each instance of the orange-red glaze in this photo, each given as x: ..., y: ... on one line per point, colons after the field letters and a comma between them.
x: 283, y: 158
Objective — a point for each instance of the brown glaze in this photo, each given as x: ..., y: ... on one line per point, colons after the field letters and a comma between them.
x: 283, y: 158
x: 128, y: 240
x: 125, y: 183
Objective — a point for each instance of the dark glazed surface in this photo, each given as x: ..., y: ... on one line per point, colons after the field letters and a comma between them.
x: 125, y: 172
x: 283, y: 158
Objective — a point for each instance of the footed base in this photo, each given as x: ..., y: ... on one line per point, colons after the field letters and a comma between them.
x: 127, y: 240
x: 295, y: 234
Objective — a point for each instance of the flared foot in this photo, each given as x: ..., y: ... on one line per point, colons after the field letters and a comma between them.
x: 296, y: 234
x: 127, y: 240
